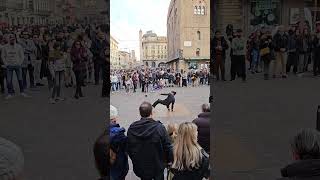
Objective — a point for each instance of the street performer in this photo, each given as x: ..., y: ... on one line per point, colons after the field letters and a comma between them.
x: 169, y: 100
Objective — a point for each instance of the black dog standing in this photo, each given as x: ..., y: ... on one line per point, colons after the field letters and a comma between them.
x: 169, y: 100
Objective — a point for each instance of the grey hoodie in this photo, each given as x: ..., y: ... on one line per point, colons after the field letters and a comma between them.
x: 12, y: 55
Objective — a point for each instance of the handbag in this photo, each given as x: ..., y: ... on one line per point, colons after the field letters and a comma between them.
x: 264, y: 51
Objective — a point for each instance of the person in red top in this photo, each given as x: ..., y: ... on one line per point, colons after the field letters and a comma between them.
x: 79, y: 58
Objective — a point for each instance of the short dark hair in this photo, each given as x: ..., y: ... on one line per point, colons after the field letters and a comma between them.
x: 217, y: 31
x: 306, y: 144
x: 145, y: 109
x: 205, y: 108
x: 101, y: 150
x: 174, y: 93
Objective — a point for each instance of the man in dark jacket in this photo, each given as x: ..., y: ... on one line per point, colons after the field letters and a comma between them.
x: 203, y: 124
x: 219, y: 45
x: 149, y: 145
x: 169, y: 100
x: 98, y: 50
x: 280, y: 42
x: 306, y: 153
x: 292, y: 52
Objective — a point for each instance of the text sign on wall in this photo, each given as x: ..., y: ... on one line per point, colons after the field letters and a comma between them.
x: 187, y: 43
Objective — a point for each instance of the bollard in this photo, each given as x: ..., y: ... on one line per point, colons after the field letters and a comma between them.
x: 318, y: 118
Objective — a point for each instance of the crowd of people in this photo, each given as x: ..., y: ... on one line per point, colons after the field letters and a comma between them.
x: 150, y: 80
x: 181, y: 149
x: 278, y: 53
x: 63, y: 55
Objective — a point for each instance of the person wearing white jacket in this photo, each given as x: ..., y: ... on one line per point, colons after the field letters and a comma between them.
x: 12, y: 56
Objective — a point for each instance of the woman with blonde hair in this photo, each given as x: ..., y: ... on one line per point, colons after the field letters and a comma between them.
x: 190, y: 161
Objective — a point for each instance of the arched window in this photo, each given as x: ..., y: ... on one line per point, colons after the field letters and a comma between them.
x: 198, y: 52
x: 195, y: 10
x: 199, y: 35
x: 153, y: 64
x: 199, y: 10
x: 203, y: 10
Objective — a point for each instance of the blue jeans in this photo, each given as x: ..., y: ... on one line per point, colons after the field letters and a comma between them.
x: 114, y: 86
x: 17, y: 70
x: 255, y: 59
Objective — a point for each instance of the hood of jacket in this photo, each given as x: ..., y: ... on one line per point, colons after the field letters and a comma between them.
x: 144, y: 128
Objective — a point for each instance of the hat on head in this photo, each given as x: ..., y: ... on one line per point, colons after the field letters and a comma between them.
x: 11, y: 160
x: 113, y: 112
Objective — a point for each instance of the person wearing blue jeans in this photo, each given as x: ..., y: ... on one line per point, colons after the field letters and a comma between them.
x: 17, y: 70
x: 12, y: 56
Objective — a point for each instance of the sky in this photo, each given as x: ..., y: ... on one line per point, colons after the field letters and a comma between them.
x: 127, y: 17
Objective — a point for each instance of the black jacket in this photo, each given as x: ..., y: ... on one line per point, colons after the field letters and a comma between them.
x: 194, y: 174
x: 224, y: 45
x: 203, y: 124
x: 149, y: 147
x: 280, y: 41
x: 302, y: 170
x: 170, y: 99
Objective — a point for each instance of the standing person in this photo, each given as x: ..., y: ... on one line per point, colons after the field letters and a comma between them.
x: 105, y: 92
x: 2, y: 69
x: 265, y: 52
x: 292, y: 52
x: 12, y: 55
x: 149, y: 145
x: 29, y: 58
x: 203, y: 124
x: 184, y: 78
x: 118, y: 142
x: 57, y: 68
x: 98, y: 50
x: 69, y: 75
x: 78, y: 58
x: 316, y: 52
x: 307, y: 47
x: 169, y: 100
x: 190, y: 161
x: 220, y: 45
x: 38, y: 60
x: 135, y: 80
x: 280, y: 41
x: 255, y: 53
x: 178, y: 79
x: 114, y: 81
x: 239, y: 52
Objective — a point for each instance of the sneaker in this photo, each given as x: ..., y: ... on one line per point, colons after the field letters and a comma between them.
x: 60, y: 99
x: 52, y: 101
x: 25, y: 95
x: 9, y: 96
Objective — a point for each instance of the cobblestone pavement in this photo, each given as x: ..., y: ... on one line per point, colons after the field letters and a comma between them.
x: 187, y: 107
x: 254, y: 123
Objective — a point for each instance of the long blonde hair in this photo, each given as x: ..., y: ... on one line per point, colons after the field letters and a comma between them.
x: 186, y: 151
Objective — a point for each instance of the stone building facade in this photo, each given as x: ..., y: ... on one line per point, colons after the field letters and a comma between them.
x: 153, y: 49
x: 114, y: 53
x: 188, y: 32
x: 250, y: 15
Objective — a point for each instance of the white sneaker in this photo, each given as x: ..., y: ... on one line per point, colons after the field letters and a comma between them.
x: 52, y: 101
x: 60, y: 99
x: 25, y: 95
x: 9, y: 96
